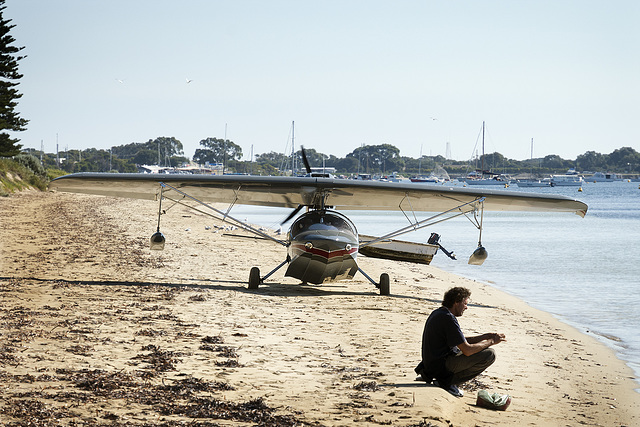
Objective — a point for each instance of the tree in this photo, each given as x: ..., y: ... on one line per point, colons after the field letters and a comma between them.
x: 591, y: 160
x: 346, y: 165
x: 378, y: 158
x: 316, y: 160
x: 217, y: 151
x: 271, y: 163
x: 272, y: 158
x: 169, y: 146
x: 553, y: 161
x: 145, y: 157
x: 493, y: 161
x: 154, y: 151
x: 624, y: 158
x: 10, y: 119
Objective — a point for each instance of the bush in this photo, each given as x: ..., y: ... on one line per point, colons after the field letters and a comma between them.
x: 53, y: 173
x: 31, y: 162
x: 15, y: 176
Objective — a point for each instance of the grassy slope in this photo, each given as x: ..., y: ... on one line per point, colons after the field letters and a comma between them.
x: 16, y: 177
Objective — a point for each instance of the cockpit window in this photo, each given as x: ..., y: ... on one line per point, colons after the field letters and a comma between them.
x: 316, y: 221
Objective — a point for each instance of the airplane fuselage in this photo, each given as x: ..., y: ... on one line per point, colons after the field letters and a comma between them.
x: 323, y: 247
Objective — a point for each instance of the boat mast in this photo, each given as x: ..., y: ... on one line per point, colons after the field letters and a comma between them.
x: 482, y: 158
x: 532, y: 149
x: 531, y: 173
x: 293, y: 148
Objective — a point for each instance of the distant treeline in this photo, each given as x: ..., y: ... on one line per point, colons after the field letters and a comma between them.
x: 381, y: 159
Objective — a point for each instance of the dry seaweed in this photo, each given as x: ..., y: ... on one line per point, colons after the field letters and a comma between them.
x: 151, y: 333
x: 254, y: 411
x: 198, y: 298
x: 180, y: 398
x: 80, y: 350
x: 229, y: 363
x: 221, y: 350
x: 213, y: 340
x: 7, y: 356
x: 102, y: 382
x: 197, y: 384
x: 34, y: 412
x: 159, y: 360
x: 367, y: 386
x: 474, y: 384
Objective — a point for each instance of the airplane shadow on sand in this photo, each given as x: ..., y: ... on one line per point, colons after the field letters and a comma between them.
x: 270, y: 288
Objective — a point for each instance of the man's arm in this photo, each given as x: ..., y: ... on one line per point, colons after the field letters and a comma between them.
x: 473, y: 345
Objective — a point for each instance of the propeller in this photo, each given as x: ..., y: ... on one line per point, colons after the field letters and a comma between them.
x: 292, y: 214
x: 305, y: 160
x: 308, y: 168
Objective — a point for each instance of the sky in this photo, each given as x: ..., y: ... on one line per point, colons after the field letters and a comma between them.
x: 420, y: 75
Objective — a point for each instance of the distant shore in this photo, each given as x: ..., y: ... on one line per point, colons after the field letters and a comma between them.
x: 98, y: 329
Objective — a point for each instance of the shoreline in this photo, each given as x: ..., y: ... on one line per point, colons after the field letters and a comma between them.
x: 611, y: 341
x: 337, y: 354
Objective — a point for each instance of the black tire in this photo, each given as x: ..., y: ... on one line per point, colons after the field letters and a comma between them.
x: 384, y: 284
x: 254, y: 278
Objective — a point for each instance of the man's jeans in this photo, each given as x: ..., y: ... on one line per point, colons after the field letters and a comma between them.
x: 465, y: 368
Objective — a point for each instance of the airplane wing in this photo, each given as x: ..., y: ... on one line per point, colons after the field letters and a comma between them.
x: 341, y: 194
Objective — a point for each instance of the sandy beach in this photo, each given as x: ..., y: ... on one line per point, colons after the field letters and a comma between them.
x: 96, y: 329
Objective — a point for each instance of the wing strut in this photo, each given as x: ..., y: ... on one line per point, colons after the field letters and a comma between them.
x: 232, y: 204
x: 412, y: 210
x: 237, y: 222
x: 430, y: 221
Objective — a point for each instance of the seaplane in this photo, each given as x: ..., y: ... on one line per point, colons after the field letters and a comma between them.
x: 322, y: 243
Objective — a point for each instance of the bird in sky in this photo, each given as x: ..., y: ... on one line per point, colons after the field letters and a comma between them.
x: 189, y: 80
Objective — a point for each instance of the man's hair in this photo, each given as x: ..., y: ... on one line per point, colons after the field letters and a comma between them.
x: 454, y: 295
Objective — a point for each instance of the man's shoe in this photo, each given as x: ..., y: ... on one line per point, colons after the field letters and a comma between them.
x: 428, y: 381
x: 452, y: 389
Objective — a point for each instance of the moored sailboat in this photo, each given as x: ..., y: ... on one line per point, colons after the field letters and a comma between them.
x: 546, y: 182
x: 485, y: 177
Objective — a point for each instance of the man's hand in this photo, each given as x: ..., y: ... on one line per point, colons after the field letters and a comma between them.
x: 497, y: 338
x: 478, y: 343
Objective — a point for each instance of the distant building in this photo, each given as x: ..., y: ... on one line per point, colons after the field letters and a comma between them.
x: 207, y: 169
x: 330, y: 170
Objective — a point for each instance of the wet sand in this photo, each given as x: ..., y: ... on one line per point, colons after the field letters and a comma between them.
x: 97, y: 329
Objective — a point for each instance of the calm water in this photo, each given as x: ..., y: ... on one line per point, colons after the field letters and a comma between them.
x: 586, y: 271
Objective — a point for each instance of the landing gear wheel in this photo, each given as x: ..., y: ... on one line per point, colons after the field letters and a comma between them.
x: 254, y: 278
x: 384, y: 284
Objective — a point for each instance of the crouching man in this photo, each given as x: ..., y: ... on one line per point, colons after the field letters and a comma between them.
x: 448, y: 357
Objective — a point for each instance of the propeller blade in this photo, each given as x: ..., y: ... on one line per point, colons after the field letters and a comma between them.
x: 305, y: 160
x: 292, y: 214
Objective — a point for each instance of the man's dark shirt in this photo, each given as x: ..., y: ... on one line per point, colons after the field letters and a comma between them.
x: 441, y: 336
